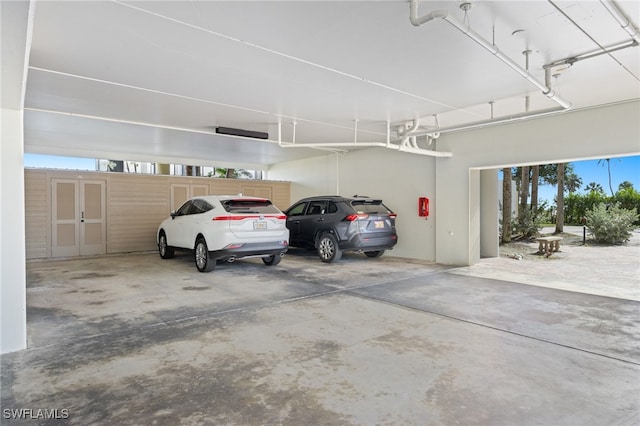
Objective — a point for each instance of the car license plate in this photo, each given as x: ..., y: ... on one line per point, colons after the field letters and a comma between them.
x: 378, y: 224
x: 259, y: 225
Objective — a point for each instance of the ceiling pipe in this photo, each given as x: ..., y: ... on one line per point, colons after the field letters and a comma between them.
x: 406, y: 144
x: 420, y: 151
x: 592, y: 54
x: 409, y: 136
x: 279, y: 133
x: 409, y: 132
x: 396, y: 147
x: 618, y: 15
x: 388, y: 133
x: 501, y: 120
x: 444, y: 14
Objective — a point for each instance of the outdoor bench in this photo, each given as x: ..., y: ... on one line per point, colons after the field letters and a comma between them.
x: 548, y: 244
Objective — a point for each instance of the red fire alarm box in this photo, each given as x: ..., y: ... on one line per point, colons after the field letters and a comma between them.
x: 423, y: 207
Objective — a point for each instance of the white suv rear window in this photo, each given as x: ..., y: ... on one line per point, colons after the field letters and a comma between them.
x: 250, y: 206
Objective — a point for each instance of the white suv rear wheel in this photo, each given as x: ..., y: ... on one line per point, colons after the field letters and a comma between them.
x: 201, y: 256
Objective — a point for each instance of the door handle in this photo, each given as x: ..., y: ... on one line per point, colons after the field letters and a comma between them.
x: 82, y: 217
x: 320, y: 219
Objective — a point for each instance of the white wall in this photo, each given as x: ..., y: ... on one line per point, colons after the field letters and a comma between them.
x: 311, y: 176
x: 605, y: 132
x: 14, y: 24
x: 13, y: 310
x: 395, y: 177
x: 489, y: 205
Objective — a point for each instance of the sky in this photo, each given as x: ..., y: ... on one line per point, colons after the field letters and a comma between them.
x: 622, y: 169
x: 53, y: 162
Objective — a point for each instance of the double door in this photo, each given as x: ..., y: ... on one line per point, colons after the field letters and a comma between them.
x: 78, y: 217
x: 181, y: 192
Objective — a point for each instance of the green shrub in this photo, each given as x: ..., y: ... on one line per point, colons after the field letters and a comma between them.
x: 577, y: 205
x: 528, y: 223
x: 545, y: 214
x: 629, y: 199
x: 611, y: 224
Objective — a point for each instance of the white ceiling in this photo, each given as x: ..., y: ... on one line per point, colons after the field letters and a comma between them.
x: 150, y: 81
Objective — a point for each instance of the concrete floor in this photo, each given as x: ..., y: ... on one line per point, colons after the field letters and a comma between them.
x: 135, y: 339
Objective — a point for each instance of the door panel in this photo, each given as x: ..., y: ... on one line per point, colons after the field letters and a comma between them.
x: 92, y: 200
x: 78, y: 222
x: 92, y: 218
x: 179, y: 194
x: 176, y: 228
x: 93, y: 233
x: 65, y: 238
x: 66, y: 200
x: 199, y: 190
x: 313, y: 220
x: 181, y: 235
x: 294, y: 217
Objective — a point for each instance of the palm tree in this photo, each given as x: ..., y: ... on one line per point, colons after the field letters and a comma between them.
x: 625, y: 185
x: 506, y: 205
x: 524, y: 188
x: 594, y: 187
x: 572, y: 182
x: 608, y: 162
x: 560, y: 200
x: 549, y: 176
x: 535, y: 181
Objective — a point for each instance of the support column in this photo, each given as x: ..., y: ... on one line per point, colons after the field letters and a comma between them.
x: 15, y: 23
x: 489, y: 203
x: 475, y: 225
x: 13, y: 283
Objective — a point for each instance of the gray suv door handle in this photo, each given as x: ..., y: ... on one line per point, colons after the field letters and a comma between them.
x: 320, y: 219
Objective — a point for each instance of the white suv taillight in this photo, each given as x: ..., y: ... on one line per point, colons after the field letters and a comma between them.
x: 253, y: 216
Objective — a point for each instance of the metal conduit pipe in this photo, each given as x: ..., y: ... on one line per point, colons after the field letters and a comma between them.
x: 622, y: 20
x: 421, y: 151
x: 402, y: 145
x: 501, y: 120
x: 592, y: 54
x: 408, y: 149
x: 409, y: 132
x: 443, y: 14
x: 388, y: 133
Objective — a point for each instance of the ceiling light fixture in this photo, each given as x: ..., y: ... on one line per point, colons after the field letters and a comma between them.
x: 242, y: 133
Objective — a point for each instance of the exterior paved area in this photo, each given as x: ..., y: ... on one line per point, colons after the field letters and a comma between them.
x: 612, y: 271
x: 139, y: 340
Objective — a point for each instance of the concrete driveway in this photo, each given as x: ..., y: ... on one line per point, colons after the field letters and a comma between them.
x: 140, y: 340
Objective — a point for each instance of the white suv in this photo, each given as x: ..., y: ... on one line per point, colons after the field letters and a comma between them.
x: 225, y: 228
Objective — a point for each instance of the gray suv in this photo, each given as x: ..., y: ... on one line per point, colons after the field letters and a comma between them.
x: 333, y: 224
